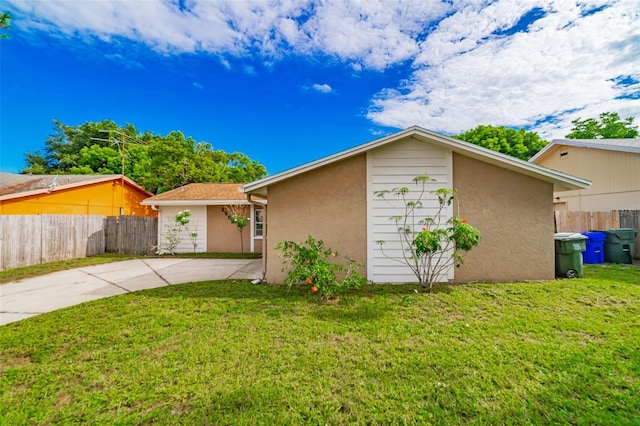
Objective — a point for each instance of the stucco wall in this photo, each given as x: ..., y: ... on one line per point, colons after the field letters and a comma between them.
x: 328, y: 203
x: 223, y: 236
x: 514, y: 214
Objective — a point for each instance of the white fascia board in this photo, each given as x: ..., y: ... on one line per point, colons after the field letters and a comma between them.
x: 148, y: 202
x: 542, y: 152
x: 269, y: 180
x: 587, y: 143
x: 561, y: 181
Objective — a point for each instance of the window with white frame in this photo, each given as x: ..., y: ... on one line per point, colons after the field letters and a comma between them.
x: 258, y: 223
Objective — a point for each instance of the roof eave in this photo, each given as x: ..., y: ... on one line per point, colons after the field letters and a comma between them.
x: 582, y: 143
x: 68, y: 186
x: 149, y: 202
x: 561, y: 181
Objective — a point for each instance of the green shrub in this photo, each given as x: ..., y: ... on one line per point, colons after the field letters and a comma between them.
x: 308, y: 263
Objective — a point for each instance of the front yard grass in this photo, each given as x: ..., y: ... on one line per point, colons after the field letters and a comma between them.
x: 228, y: 352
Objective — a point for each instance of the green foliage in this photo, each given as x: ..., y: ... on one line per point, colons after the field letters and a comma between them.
x: 308, y: 262
x: 431, y: 251
x: 609, y: 126
x: 520, y: 143
x: 5, y: 20
x: 158, y: 163
x: 239, y: 221
x: 230, y: 352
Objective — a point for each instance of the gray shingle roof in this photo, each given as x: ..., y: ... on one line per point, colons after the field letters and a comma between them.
x: 11, y: 183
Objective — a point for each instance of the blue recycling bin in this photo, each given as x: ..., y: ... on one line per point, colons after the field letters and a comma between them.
x: 594, y: 252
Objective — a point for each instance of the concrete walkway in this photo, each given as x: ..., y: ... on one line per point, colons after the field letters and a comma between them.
x: 46, y: 293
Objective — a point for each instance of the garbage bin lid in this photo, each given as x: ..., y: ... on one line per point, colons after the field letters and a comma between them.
x: 621, y: 232
x: 595, y: 235
x: 565, y: 236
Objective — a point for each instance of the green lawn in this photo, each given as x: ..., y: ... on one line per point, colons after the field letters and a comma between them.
x: 561, y: 352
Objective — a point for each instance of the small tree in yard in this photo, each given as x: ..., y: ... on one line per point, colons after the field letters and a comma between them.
x: 430, y: 245
x: 238, y: 214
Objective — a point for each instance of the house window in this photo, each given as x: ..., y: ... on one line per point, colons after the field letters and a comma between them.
x: 258, y: 223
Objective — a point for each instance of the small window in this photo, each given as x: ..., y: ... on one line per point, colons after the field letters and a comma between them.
x: 258, y: 223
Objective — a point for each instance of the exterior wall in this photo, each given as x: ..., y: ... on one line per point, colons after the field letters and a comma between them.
x: 223, y: 236
x: 514, y: 214
x: 328, y: 203
x: 615, y: 177
x: 197, y: 223
x: 257, y: 245
x: 104, y: 198
x: 395, y: 166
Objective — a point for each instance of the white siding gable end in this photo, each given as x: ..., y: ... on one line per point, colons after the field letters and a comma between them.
x: 394, y: 166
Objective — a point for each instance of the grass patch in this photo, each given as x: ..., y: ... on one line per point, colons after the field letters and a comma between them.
x: 47, y: 268
x: 229, y: 352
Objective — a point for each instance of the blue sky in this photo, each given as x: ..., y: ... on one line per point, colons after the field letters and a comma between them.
x: 290, y: 81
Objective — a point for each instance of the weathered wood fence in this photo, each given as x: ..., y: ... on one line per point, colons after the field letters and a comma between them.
x: 592, y: 221
x: 131, y: 234
x: 33, y: 239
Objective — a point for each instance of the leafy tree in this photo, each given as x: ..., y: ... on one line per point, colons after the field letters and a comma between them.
x: 609, y: 126
x: 157, y: 162
x: 63, y: 148
x: 5, y: 20
x: 517, y: 143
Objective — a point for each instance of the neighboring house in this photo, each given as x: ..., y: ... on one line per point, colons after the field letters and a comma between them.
x: 209, y: 206
x: 107, y: 195
x: 510, y: 201
x: 613, y: 165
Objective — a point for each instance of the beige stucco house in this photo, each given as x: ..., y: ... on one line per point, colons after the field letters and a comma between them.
x: 510, y: 201
x: 208, y: 204
x: 613, y: 165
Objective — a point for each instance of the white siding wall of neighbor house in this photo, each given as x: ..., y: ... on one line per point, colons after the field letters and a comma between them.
x: 393, y: 166
x: 197, y: 223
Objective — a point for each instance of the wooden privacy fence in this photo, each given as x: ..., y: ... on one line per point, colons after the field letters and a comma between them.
x: 34, y: 239
x: 131, y: 234
x: 567, y: 221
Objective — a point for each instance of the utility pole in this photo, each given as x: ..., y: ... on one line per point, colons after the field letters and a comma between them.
x: 122, y: 149
x: 122, y: 178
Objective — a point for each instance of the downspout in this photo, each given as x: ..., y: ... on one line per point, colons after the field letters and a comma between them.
x: 265, y: 226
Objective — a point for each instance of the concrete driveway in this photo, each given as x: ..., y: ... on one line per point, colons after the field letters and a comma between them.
x: 46, y: 293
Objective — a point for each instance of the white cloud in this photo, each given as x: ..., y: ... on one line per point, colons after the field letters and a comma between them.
x: 322, y: 88
x: 562, y: 67
x: 467, y: 69
x: 249, y: 70
x: 376, y: 33
x: 127, y: 63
